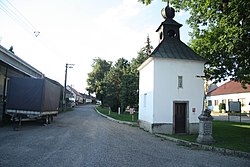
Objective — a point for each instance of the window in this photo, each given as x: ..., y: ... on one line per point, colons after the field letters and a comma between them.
x: 209, y: 102
x: 216, y: 102
x: 145, y: 100
x: 161, y: 35
x: 171, y: 33
x: 180, y: 82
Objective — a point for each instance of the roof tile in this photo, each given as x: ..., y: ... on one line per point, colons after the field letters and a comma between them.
x: 176, y: 49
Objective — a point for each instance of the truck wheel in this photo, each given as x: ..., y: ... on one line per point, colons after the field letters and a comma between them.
x: 17, y: 124
x: 46, y: 120
x: 49, y: 119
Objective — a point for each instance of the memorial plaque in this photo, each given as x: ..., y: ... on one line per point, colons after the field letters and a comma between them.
x: 207, y: 128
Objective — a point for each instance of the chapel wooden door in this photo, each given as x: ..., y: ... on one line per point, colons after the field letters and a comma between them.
x: 180, y: 117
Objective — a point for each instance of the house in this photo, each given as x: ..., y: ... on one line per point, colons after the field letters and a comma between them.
x: 230, y: 91
x: 87, y: 98
x: 76, y: 95
x: 170, y: 94
x: 12, y: 66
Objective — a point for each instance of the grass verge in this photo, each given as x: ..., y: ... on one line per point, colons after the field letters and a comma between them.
x: 122, y: 117
x: 230, y: 135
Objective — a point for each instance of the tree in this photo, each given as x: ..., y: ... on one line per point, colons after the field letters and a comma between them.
x: 147, y: 2
x: 114, y: 84
x: 117, y: 85
x: 128, y: 94
x: 143, y: 55
x: 148, y: 48
x: 221, y: 35
x: 134, y: 76
x: 96, y: 77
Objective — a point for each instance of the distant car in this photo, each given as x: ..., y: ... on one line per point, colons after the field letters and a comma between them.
x: 98, y: 102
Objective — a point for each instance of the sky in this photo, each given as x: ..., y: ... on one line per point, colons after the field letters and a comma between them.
x: 78, y: 31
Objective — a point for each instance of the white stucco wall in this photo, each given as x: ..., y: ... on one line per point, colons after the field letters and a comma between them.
x: 234, y: 97
x: 159, y: 81
x: 166, y: 72
x: 146, y: 84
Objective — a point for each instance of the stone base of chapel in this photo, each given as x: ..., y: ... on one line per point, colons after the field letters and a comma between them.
x: 166, y: 128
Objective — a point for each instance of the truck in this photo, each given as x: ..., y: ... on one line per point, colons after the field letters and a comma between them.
x: 31, y: 98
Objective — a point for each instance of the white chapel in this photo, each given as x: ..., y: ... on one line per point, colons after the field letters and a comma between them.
x: 170, y: 94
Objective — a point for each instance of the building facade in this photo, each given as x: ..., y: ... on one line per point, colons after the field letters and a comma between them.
x: 230, y: 91
x: 170, y: 94
x: 76, y: 95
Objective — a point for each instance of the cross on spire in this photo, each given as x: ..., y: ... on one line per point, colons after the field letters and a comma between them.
x: 167, y: 2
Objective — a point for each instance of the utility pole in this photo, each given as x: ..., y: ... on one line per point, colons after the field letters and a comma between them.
x: 65, y: 84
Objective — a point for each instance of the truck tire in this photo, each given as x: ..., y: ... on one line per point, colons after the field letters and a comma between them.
x: 17, y: 124
x: 49, y: 119
x: 46, y: 120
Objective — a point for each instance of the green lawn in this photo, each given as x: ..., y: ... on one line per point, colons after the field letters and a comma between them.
x: 230, y: 135
x: 122, y: 117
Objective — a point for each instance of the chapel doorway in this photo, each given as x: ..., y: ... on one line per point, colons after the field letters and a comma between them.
x: 180, y: 117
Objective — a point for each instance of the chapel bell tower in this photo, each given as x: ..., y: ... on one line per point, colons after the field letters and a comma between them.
x: 169, y: 29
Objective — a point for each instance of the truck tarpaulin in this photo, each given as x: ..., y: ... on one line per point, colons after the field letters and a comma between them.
x: 29, y: 94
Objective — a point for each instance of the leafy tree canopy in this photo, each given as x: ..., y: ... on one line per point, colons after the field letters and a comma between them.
x: 117, y: 85
x: 114, y: 83
x: 221, y: 34
x: 96, y: 77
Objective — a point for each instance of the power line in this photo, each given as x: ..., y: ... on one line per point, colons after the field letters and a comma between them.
x: 12, y: 12
x: 12, y: 15
x: 18, y: 17
x: 22, y: 15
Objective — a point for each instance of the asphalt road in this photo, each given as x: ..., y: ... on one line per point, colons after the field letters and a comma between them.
x: 84, y: 138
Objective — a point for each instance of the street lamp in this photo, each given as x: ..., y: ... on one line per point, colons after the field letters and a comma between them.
x: 65, y: 84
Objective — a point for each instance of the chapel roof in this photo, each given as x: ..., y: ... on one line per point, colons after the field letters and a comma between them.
x: 171, y: 46
x: 175, y: 49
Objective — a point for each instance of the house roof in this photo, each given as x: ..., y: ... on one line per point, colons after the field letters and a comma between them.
x: 175, y: 49
x: 75, y: 91
x: 230, y: 87
x: 19, y: 64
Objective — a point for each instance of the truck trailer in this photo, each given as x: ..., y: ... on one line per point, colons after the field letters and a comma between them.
x: 30, y: 98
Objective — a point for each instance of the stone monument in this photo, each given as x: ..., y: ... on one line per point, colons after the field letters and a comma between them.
x: 205, y: 120
x: 205, y: 128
